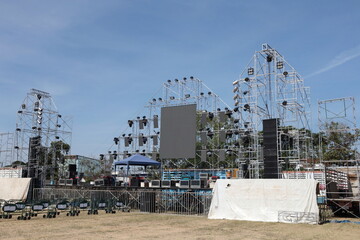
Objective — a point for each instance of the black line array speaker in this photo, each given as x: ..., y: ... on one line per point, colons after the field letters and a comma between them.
x: 270, y: 135
x: 72, y: 170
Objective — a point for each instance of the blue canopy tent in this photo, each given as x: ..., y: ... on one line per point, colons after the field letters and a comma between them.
x: 138, y: 160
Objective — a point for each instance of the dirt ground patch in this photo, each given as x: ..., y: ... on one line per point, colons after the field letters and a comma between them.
x: 137, y: 225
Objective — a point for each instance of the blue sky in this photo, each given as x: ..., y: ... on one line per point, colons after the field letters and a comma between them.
x: 103, y: 60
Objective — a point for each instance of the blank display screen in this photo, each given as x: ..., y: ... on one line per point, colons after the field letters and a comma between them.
x: 178, y: 131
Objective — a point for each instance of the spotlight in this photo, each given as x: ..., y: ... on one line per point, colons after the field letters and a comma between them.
x: 269, y: 58
x: 285, y: 73
x: 176, y: 80
x: 160, y: 99
x: 235, y: 89
x: 169, y: 81
x: 34, y: 128
x: 246, y: 79
x: 245, y: 92
x: 16, y: 147
x: 116, y: 140
x: 236, y: 103
x: 236, y: 96
x: 236, y: 109
x: 236, y: 120
x: 250, y: 71
x: 20, y: 111
x: 209, y: 93
x: 202, y: 94
x: 18, y: 129
x: 36, y: 104
x: 226, y: 108
x: 191, y: 77
x: 101, y: 156
x: 279, y: 65
x: 211, y: 116
x: 58, y: 125
x: 246, y: 107
x: 138, y: 117
x: 154, y: 99
x: 172, y: 97
x: 129, y: 134
x: 38, y: 96
x: 124, y: 135
x: 187, y: 95
x: 184, y: 78
x: 235, y: 82
x: 59, y: 116
x: 23, y: 106
x: 284, y: 103
x: 130, y: 122
x: 218, y: 109
x: 57, y: 137
x: 228, y: 113
x: 144, y: 140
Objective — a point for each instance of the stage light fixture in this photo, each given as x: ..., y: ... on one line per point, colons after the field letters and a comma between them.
x: 250, y: 71
x: 176, y: 80
x: 160, y: 99
x: 154, y: 99
x: 59, y: 116
x: 236, y: 96
x: 247, y: 79
x: 235, y: 82
x: 285, y: 73
x: 187, y: 95
x: 57, y: 137
x: 219, y: 109
x: 228, y: 113
x: 23, y: 106
x: 284, y: 103
x: 184, y: 78
x: 191, y: 77
x: 172, y: 97
x: 34, y: 128
x: 58, y: 125
x: 245, y: 92
x: 18, y: 129
x: 137, y: 151
x: 124, y: 135
x: 236, y: 120
x: 36, y: 104
x: 39, y: 129
x: 144, y: 140
x: 211, y: 116
x: 236, y: 103
x: 116, y: 140
x: 169, y: 81
x: 101, y: 156
x: 201, y: 94
x: 236, y: 109
x: 269, y: 58
x: 16, y: 147
x: 130, y: 122
x: 20, y: 111
x: 235, y: 89
x: 209, y: 93
x: 279, y: 65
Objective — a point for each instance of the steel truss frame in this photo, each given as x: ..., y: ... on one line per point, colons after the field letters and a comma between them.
x: 38, y: 117
x: 269, y: 87
x: 174, y: 93
x: 341, y: 112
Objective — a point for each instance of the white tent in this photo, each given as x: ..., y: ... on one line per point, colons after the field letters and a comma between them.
x: 267, y: 200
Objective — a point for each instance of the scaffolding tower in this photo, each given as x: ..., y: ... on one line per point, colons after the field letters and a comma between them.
x: 338, y: 153
x: 6, y: 148
x: 39, y: 125
x: 214, y: 121
x: 269, y: 87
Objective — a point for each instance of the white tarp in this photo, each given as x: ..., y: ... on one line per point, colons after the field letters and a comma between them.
x: 14, y: 188
x: 267, y: 200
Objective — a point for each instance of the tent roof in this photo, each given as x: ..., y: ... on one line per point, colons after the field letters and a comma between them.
x: 137, y: 160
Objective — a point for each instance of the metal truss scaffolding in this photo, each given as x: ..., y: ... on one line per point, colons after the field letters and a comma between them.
x: 6, y: 148
x: 269, y: 87
x: 338, y: 141
x: 215, y: 125
x: 39, y: 124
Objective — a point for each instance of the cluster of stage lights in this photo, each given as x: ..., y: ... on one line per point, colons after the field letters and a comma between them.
x: 269, y: 58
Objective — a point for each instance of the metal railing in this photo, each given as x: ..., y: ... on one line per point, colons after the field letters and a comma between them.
x: 154, y: 201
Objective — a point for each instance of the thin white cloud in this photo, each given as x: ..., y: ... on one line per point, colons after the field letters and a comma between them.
x: 340, y: 59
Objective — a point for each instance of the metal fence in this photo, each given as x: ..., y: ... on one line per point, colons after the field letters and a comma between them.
x: 154, y: 201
